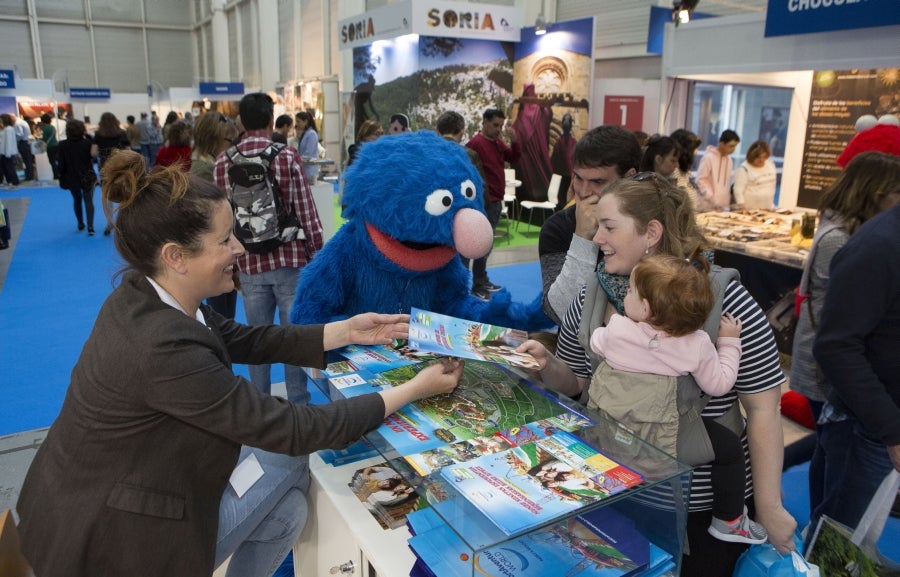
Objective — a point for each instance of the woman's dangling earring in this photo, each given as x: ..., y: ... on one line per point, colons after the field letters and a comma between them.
x: 647, y: 250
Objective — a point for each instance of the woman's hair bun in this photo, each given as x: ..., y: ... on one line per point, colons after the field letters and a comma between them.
x: 121, y: 175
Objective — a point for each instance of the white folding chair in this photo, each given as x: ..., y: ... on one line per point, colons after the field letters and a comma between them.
x: 549, y: 204
x: 509, y: 193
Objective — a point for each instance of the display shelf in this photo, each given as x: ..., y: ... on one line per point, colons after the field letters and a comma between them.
x: 656, y: 507
x: 764, y: 234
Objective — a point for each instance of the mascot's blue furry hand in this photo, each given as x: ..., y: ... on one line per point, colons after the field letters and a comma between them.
x: 503, y: 312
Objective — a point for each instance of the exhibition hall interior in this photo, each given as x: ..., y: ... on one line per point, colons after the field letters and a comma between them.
x: 500, y: 172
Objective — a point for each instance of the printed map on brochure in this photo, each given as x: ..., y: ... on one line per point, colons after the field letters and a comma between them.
x: 487, y: 400
x: 525, y: 486
x: 445, y: 335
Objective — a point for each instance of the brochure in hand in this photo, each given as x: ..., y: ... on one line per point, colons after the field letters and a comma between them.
x: 525, y: 486
x: 380, y: 358
x: 445, y: 335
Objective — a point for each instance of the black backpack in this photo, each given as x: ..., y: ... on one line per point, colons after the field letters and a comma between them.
x: 261, y: 222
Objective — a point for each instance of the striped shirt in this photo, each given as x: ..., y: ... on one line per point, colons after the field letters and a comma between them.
x: 288, y: 169
x: 759, y: 370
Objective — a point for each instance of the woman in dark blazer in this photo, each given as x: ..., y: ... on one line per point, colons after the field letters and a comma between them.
x: 76, y: 171
x: 129, y: 478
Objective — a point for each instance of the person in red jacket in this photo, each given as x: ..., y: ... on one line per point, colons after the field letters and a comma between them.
x: 177, y: 148
x: 493, y: 153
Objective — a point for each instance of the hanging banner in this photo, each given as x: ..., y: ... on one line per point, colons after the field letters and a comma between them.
x: 787, y: 17
x: 431, y: 18
x: 7, y: 79
x: 219, y: 88
x: 456, y: 20
x: 100, y: 93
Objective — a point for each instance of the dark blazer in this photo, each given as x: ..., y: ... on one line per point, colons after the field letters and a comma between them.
x: 129, y: 478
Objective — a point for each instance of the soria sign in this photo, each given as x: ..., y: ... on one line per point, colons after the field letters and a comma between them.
x: 431, y: 18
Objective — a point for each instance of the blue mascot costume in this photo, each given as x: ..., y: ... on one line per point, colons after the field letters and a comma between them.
x: 413, y: 204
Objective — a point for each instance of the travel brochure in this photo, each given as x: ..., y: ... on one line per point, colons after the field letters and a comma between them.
x: 600, y: 543
x: 533, y: 483
x: 488, y: 400
x: 385, y: 495
x: 445, y: 335
x: 432, y: 461
x: 503, y: 446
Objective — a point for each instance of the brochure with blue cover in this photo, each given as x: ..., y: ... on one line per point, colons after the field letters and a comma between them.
x: 450, y: 336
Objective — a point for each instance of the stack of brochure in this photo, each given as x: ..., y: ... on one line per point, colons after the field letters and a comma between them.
x: 601, y: 543
x: 509, y: 478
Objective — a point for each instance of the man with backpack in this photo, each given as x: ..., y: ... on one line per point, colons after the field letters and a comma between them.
x: 280, y: 237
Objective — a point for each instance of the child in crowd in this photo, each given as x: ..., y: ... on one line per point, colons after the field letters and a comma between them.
x: 667, y: 303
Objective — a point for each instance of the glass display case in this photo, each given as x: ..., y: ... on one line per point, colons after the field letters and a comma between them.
x: 522, y: 481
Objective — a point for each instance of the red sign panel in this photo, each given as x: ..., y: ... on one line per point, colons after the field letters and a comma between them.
x: 626, y: 111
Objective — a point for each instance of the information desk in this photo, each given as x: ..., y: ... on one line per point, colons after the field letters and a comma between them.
x: 340, y: 529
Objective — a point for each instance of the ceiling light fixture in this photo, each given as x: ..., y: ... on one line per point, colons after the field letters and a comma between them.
x: 682, y: 9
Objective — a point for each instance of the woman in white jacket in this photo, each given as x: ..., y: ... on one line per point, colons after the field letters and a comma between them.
x: 754, y: 180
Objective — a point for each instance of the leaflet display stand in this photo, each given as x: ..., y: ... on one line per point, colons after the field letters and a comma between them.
x: 341, y: 531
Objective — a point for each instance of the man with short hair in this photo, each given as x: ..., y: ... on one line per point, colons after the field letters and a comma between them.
x: 566, y: 249
x: 452, y: 126
x: 494, y: 153
x: 23, y: 143
x: 146, y: 139
x: 133, y: 133
x: 714, y: 173
x: 269, y: 280
x: 283, y: 125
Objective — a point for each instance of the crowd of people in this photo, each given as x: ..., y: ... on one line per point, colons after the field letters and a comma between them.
x: 626, y: 274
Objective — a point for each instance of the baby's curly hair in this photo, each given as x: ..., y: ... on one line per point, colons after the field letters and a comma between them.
x: 678, y: 291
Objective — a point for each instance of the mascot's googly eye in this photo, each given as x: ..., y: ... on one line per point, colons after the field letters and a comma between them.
x: 467, y: 188
x: 439, y: 202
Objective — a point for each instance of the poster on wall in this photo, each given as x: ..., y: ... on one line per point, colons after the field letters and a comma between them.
x: 542, y: 83
x: 838, y: 98
x: 550, y: 111
x: 8, y: 105
x: 424, y: 78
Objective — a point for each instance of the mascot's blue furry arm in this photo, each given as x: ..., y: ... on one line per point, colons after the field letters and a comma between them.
x: 413, y: 204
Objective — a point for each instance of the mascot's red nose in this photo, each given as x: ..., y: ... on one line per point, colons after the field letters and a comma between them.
x: 472, y: 233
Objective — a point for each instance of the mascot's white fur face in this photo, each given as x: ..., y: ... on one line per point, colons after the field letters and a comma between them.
x: 420, y: 199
